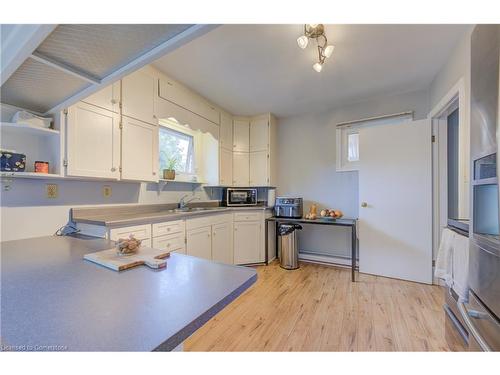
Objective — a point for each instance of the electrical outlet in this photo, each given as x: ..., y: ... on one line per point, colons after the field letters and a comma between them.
x: 51, y: 190
x: 106, y: 191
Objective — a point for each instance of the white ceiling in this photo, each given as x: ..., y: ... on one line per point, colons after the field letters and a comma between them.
x: 251, y: 69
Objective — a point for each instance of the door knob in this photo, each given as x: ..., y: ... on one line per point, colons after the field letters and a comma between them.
x: 364, y: 204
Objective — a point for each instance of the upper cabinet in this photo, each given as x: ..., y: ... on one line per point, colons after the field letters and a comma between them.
x: 182, y: 96
x: 107, y: 98
x: 226, y: 131
x: 241, y: 135
x: 139, y: 150
x: 138, y: 96
x: 259, y: 134
x: 93, y: 142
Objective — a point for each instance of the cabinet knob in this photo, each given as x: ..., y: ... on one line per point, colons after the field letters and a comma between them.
x: 364, y: 204
x: 113, y: 169
x: 113, y: 101
x: 168, y: 245
x: 154, y: 173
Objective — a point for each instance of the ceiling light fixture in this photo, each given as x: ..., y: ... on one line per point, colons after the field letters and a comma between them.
x: 316, y: 31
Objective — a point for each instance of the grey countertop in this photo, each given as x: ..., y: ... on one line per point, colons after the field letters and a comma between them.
x: 116, y: 216
x: 52, y: 299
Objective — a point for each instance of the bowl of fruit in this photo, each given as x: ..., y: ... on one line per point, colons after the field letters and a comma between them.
x: 330, y: 214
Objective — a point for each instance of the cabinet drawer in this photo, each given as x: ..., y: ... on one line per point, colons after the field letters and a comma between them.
x: 141, y: 232
x: 247, y: 216
x: 173, y: 242
x: 146, y: 243
x: 169, y: 227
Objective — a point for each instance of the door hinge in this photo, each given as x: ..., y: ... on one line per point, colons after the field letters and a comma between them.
x: 65, y: 111
x: 268, y: 156
x: 185, y: 240
x: 121, y: 125
x: 120, y: 168
x: 120, y: 105
x: 65, y: 163
x: 433, y: 138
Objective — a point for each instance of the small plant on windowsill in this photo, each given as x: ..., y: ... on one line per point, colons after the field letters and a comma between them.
x: 169, y: 172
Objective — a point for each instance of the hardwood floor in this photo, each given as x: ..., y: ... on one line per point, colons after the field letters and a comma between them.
x: 317, y: 308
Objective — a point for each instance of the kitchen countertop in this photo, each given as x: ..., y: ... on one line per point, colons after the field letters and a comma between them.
x: 115, y: 216
x: 52, y: 299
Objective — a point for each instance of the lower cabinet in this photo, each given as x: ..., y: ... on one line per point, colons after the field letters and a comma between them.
x: 222, y: 243
x: 247, y: 242
x: 172, y: 242
x: 199, y: 242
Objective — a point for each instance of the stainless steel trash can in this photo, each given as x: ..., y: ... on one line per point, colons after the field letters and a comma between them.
x: 288, y: 250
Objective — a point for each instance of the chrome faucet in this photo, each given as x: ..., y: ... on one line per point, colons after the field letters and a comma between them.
x: 183, y: 202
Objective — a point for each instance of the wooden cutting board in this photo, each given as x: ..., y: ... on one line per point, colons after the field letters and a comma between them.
x: 153, y: 258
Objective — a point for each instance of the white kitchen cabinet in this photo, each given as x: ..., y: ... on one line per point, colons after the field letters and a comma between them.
x: 226, y: 131
x: 93, y: 142
x: 259, y: 168
x: 259, y: 134
x: 222, y: 240
x: 182, y: 96
x: 138, y: 96
x: 199, y: 242
x: 226, y: 167
x: 171, y: 242
x: 141, y: 232
x: 241, y: 168
x: 247, y: 242
x: 107, y: 98
x: 139, y: 150
x: 241, y: 135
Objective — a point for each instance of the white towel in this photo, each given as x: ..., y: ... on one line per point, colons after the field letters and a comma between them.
x: 461, y: 267
x: 444, y: 260
x: 452, y: 262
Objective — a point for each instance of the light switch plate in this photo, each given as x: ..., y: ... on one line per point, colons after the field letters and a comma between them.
x: 51, y: 191
x: 106, y: 191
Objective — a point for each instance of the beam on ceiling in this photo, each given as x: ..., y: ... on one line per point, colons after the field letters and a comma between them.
x: 180, y: 39
x: 19, y: 44
x: 64, y: 68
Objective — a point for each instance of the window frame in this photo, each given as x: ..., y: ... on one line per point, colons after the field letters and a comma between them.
x: 191, y: 156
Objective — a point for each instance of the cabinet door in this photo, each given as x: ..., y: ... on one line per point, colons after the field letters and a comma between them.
x: 199, y: 242
x: 241, y: 165
x: 222, y: 243
x: 259, y: 168
x: 226, y: 131
x: 241, y: 136
x: 247, y: 243
x: 259, y: 135
x: 226, y: 167
x: 93, y: 142
x: 107, y: 98
x: 139, y: 150
x: 138, y: 96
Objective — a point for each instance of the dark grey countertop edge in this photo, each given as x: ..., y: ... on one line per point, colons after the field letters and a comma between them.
x: 187, y: 331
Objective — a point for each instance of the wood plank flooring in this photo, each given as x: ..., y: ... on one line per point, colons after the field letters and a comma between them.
x: 317, y: 308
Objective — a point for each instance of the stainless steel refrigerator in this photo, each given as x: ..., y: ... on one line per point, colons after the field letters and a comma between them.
x: 482, y: 313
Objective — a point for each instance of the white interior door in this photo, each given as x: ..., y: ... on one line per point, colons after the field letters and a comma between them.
x: 395, y: 193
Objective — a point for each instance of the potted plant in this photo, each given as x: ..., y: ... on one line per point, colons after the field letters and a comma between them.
x: 169, y: 172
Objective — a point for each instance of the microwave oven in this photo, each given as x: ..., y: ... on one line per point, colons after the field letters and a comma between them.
x: 239, y: 197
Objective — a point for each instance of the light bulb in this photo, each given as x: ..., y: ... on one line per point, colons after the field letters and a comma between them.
x: 313, y: 25
x: 328, y: 50
x: 317, y: 67
x: 303, y: 41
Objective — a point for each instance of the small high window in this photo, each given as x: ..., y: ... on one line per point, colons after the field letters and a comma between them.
x: 178, y: 148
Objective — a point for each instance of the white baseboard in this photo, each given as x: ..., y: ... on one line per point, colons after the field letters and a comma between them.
x: 325, y: 259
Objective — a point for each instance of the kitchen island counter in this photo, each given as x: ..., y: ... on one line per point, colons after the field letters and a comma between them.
x: 52, y: 299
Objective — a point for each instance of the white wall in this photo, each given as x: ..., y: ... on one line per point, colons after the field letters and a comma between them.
x: 307, y: 163
x: 26, y: 212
